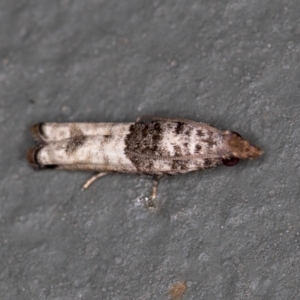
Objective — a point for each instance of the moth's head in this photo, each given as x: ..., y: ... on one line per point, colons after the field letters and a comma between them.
x: 240, y: 148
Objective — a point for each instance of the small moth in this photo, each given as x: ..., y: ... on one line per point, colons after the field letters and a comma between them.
x: 152, y: 145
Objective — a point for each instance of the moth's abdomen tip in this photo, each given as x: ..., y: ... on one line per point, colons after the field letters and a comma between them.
x: 37, y: 131
x: 32, y: 157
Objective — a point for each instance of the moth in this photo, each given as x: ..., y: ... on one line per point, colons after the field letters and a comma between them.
x: 153, y: 146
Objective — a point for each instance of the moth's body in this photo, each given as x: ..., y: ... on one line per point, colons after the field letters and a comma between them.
x: 156, y: 147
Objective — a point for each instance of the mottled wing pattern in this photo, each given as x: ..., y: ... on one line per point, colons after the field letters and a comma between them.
x: 171, y: 147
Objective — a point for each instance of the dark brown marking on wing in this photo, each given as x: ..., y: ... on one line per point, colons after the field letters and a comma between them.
x: 210, y: 141
x: 200, y: 133
x: 143, y: 138
x: 179, y: 165
x: 208, y: 162
x: 186, y: 149
x: 107, y: 138
x: 188, y: 131
x: 179, y: 128
x: 198, y: 148
x: 76, y: 140
x: 169, y: 126
x: 177, y: 151
x: 75, y: 143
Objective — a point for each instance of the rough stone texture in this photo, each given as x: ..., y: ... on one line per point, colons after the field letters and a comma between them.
x: 231, y: 233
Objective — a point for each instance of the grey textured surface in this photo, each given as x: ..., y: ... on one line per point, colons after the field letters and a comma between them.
x: 231, y: 233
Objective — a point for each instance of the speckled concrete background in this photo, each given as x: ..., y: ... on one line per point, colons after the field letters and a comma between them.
x: 231, y: 233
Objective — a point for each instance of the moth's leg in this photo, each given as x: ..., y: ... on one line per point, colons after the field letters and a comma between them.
x: 155, y: 186
x: 91, y: 180
x: 151, y: 203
